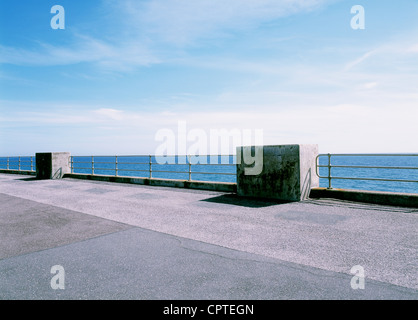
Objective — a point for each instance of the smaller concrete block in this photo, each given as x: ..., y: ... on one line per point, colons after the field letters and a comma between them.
x: 52, y: 165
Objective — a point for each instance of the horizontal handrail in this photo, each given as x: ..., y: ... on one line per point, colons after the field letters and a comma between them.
x: 329, y: 165
x: 372, y: 179
x: 222, y: 173
x: 154, y: 166
x: 156, y: 156
x: 370, y: 154
x: 366, y: 167
x: 19, y: 161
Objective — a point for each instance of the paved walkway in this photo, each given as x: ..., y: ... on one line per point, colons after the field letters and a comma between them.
x: 120, y: 241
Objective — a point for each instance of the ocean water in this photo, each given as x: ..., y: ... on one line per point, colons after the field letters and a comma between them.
x: 217, y: 168
x: 223, y: 169
x: 25, y: 163
x: 372, y: 161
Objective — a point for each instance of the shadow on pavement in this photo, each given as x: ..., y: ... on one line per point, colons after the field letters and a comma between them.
x: 234, y: 199
x: 29, y: 179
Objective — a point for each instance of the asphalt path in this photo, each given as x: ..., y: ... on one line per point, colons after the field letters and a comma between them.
x: 78, y: 239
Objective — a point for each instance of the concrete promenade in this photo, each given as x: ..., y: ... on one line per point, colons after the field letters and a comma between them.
x: 122, y: 241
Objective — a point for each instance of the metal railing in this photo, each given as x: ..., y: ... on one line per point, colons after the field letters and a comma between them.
x: 330, y: 166
x: 18, y: 163
x: 145, y: 169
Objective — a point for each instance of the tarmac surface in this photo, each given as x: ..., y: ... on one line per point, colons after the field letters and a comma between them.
x: 121, y: 241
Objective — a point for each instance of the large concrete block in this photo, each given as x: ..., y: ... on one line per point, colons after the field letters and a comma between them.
x: 288, y: 172
x: 52, y: 165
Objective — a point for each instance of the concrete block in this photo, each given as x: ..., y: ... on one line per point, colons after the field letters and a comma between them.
x: 52, y: 165
x: 288, y: 173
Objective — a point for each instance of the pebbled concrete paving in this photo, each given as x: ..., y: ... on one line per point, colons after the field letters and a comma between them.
x: 167, y: 243
x: 27, y: 226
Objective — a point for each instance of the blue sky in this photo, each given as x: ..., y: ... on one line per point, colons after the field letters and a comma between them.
x: 122, y: 70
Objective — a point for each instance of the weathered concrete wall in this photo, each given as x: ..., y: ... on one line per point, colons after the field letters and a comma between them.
x: 52, y: 165
x: 23, y: 172
x: 288, y: 173
x: 202, y: 185
x: 375, y: 197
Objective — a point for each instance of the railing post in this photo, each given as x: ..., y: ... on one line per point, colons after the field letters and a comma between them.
x: 190, y: 168
x: 329, y: 171
x: 19, y: 164
x: 150, y: 166
x: 7, y: 163
x: 31, y: 163
x: 92, y: 165
x: 116, y: 166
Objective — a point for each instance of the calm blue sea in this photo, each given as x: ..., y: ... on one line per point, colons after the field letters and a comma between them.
x: 138, y: 166
x: 379, y: 161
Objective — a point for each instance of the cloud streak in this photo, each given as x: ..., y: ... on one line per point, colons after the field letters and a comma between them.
x: 328, y: 124
x: 360, y: 60
x: 84, y: 49
x: 181, y: 22
x: 145, y: 25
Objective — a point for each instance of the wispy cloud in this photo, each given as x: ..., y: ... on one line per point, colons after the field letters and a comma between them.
x: 309, y: 123
x: 359, y: 60
x: 370, y: 85
x: 178, y: 22
x: 181, y: 22
x: 396, y: 51
x: 222, y: 64
x: 413, y: 49
x: 112, y: 114
x: 84, y: 49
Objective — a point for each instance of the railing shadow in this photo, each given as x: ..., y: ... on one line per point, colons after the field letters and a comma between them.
x: 338, y: 203
x: 306, y: 185
x: 57, y: 174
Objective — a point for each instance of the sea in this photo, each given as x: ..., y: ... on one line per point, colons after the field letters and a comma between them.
x: 223, y: 169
